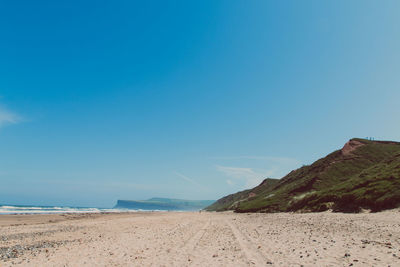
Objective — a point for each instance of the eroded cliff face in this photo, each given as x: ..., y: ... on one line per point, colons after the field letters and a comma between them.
x: 350, y: 146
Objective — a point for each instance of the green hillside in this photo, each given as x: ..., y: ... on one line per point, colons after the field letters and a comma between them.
x: 232, y: 201
x: 363, y: 174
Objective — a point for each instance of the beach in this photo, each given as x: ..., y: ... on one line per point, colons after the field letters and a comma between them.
x: 201, y: 239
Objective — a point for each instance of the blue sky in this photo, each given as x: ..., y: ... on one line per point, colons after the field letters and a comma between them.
x: 104, y: 100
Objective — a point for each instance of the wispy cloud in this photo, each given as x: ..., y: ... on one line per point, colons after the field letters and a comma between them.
x: 251, y: 177
x: 8, y: 117
x: 229, y: 181
x: 281, y: 160
x: 190, y: 180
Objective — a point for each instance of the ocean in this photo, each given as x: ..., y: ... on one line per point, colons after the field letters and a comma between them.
x: 24, y: 209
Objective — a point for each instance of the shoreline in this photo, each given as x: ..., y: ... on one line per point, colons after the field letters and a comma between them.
x: 43, y: 218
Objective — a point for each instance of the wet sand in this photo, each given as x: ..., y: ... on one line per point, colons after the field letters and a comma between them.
x: 201, y: 239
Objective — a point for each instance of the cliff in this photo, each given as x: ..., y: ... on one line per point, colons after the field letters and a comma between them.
x: 363, y: 174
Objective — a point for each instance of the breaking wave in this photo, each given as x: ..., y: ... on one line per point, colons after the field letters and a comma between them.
x: 20, y: 209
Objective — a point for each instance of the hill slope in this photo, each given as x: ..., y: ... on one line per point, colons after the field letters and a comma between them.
x: 232, y: 201
x: 363, y: 174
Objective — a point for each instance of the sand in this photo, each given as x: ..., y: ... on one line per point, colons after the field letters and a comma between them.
x: 201, y: 239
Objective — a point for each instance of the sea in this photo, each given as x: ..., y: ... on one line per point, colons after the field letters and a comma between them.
x: 23, y: 209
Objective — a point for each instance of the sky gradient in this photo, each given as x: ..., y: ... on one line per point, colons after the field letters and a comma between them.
x: 104, y: 100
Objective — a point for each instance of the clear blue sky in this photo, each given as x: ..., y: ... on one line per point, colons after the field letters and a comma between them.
x: 107, y: 100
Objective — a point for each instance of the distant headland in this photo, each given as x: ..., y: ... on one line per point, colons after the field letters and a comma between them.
x: 164, y: 204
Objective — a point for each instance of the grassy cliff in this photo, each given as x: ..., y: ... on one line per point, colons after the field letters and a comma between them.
x: 363, y: 174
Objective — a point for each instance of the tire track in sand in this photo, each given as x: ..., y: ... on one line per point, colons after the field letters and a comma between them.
x: 190, y: 245
x: 248, y: 248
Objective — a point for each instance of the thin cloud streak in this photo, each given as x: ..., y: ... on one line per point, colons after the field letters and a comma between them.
x: 251, y: 177
x: 229, y: 182
x: 190, y: 180
x: 8, y: 117
x: 275, y: 167
x: 266, y: 158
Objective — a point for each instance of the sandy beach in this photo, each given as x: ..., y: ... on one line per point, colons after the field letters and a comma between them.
x: 201, y: 239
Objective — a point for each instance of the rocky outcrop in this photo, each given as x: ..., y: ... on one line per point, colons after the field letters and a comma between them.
x: 350, y: 146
